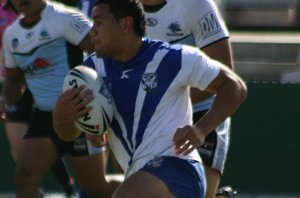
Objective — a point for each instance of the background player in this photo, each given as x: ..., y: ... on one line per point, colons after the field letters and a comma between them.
x: 19, y: 114
x: 37, y: 48
x: 197, y: 23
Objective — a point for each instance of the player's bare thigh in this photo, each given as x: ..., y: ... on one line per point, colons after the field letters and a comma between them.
x: 36, y: 156
x: 143, y: 185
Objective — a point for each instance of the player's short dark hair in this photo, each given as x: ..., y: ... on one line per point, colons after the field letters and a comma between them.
x: 123, y: 8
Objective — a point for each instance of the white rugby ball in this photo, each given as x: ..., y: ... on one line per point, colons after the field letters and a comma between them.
x: 99, y: 118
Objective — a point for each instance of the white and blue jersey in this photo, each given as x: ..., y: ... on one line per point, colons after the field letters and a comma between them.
x: 42, y: 52
x: 151, y: 97
x: 191, y: 22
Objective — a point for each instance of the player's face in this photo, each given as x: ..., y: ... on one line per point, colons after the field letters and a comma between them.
x: 106, y: 33
x: 29, y: 8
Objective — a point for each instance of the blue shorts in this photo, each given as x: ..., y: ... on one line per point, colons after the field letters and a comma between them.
x: 184, y: 178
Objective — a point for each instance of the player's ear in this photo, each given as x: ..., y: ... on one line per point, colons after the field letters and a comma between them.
x: 127, y: 23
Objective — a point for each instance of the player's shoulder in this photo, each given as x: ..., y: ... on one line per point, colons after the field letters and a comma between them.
x: 185, y: 51
x: 188, y: 50
x: 12, y: 28
x: 191, y: 6
x: 93, y: 61
x: 56, y: 9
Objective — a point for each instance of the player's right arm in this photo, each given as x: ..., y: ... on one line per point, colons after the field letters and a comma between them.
x: 71, y: 105
x: 12, y: 90
x: 14, y: 81
x: 211, y: 36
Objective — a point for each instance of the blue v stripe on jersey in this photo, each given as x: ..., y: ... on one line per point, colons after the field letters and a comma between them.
x: 166, y: 72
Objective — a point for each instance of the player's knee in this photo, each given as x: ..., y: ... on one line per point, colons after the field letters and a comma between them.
x: 14, y: 154
x: 24, y: 177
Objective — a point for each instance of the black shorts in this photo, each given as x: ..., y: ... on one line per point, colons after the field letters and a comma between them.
x: 215, y: 147
x: 40, y: 126
x: 22, y: 110
x: 210, y: 139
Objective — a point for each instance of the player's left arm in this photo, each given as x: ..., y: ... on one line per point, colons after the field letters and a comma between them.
x: 86, y: 44
x: 214, y: 41
x: 75, y: 29
x: 221, y: 51
x: 230, y: 92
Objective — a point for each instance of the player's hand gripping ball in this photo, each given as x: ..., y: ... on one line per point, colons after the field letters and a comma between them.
x: 99, y: 118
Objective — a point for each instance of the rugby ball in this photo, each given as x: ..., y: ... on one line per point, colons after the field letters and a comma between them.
x: 99, y: 118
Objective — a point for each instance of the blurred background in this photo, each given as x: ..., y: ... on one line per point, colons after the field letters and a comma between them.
x: 264, y: 156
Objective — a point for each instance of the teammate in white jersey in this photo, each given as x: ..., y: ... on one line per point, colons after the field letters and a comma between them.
x: 197, y: 23
x: 151, y: 135
x: 37, y: 50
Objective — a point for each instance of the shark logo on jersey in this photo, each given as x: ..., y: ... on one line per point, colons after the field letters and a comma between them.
x: 149, y: 82
x: 124, y: 74
x: 151, y: 22
x: 175, y: 29
x: 210, y: 25
x: 15, y: 43
x: 44, y: 35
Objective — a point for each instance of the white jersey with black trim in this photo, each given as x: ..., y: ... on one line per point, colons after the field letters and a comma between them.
x: 191, y: 22
x: 41, y: 50
x: 151, y: 99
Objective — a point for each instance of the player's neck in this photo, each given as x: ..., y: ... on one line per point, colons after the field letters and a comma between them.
x: 154, y: 6
x: 152, y: 2
x: 130, y: 50
x: 31, y: 18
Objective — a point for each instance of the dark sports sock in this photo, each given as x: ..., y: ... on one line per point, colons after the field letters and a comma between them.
x: 61, y: 173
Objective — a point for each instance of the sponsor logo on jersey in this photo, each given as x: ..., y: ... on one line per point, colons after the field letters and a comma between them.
x: 207, y: 149
x: 175, y: 29
x: 80, y: 145
x: 210, y: 25
x: 149, y: 82
x: 39, y: 63
x: 79, y: 24
x: 151, y: 22
x: 44, y: 35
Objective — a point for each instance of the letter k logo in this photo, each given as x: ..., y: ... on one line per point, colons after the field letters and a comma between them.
x: 124, y: 74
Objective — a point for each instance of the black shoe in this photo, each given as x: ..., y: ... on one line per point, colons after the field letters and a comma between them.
x: 227, y: 192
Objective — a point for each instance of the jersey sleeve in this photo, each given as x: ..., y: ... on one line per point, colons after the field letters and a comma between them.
x: 90, y: 61
x: 75, y: 27
x: 205, y: 22
x: 9, y: 60
x: 96, y: 63
x: 200, y: 68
